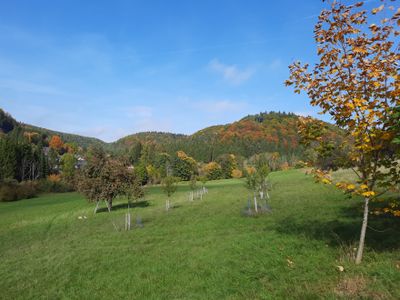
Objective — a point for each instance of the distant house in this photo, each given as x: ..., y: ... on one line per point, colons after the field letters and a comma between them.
x: 80, y: 162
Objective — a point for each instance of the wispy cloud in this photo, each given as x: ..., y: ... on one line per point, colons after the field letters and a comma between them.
x: 275, y: 64
x: 231, y: 73
x: 220, y: 106
x: 140, y: 111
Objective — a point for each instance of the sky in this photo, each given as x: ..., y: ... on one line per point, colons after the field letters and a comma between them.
x: 107, y: 69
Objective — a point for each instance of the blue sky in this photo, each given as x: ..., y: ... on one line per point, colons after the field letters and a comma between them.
x: 111, y: 68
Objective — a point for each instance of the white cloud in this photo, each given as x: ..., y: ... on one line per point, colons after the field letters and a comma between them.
x: 231, y: 73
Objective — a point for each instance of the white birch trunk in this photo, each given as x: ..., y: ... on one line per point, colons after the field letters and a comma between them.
x: 255, y: 203
x: 360, y: 249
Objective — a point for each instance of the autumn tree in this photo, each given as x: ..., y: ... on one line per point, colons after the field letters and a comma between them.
x: 184, y: 166
x: 228, y: 164
x: 396, y: 125
x: 56, y: 143
x: 357, y: 82
x: 212, y: 170
x: 252, y: 185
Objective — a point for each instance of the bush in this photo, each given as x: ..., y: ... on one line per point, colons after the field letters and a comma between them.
x: 213, y: 170
x: 27, y: 190
x: 11, y: 190
x: 236, y: 173
x: 53, y: 186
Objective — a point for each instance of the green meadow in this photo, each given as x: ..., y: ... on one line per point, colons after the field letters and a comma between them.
x: 205, y: 249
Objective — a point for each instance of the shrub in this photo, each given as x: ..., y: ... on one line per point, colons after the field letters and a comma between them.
x: 53, y: 184
x: 213, y: 170
x: 26, y: 190
x: 236, y: 173
x: 11, y: 190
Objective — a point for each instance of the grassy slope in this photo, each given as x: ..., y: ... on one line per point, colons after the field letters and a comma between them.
x: 198, y: 250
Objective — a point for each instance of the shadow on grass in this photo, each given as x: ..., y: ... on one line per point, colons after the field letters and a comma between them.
x: 382, y: 233
x: 125, y: 206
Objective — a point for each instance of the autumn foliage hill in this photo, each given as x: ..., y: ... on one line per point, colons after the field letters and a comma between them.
x: 253, y: 134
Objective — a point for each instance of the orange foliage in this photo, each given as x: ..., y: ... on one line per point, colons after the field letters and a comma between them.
x: 211, y: 166
x: 250, y: 170
x: 54, y: 178
x: 56, y: 143
x: 236, y: 173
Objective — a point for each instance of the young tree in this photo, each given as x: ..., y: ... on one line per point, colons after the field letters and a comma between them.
x: 203, y: 180
x: 104, y: 178
x: 193, y: 182
x: 134, y: 190
x: 251, y: 184
x: 357, y: 82
x: 170, y: 186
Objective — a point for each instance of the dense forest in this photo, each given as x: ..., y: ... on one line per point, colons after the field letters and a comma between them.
x: 264, y: 132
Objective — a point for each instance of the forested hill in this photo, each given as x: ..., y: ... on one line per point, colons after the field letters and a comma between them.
x: 80, y: 140
x: 8, y: 125
x: 263, y: 132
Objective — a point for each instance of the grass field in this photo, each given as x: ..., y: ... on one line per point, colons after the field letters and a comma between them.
x: 199, y: 250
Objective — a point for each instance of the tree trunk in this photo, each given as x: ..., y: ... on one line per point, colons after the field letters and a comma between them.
x: 362, y: 235
x: 97, y: 206
x: 255, y: 203
x: 109, y: 205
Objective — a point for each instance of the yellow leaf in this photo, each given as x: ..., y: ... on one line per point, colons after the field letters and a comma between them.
x: 368, y: 194
x: 378, y: 9
x: 325, y: 181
